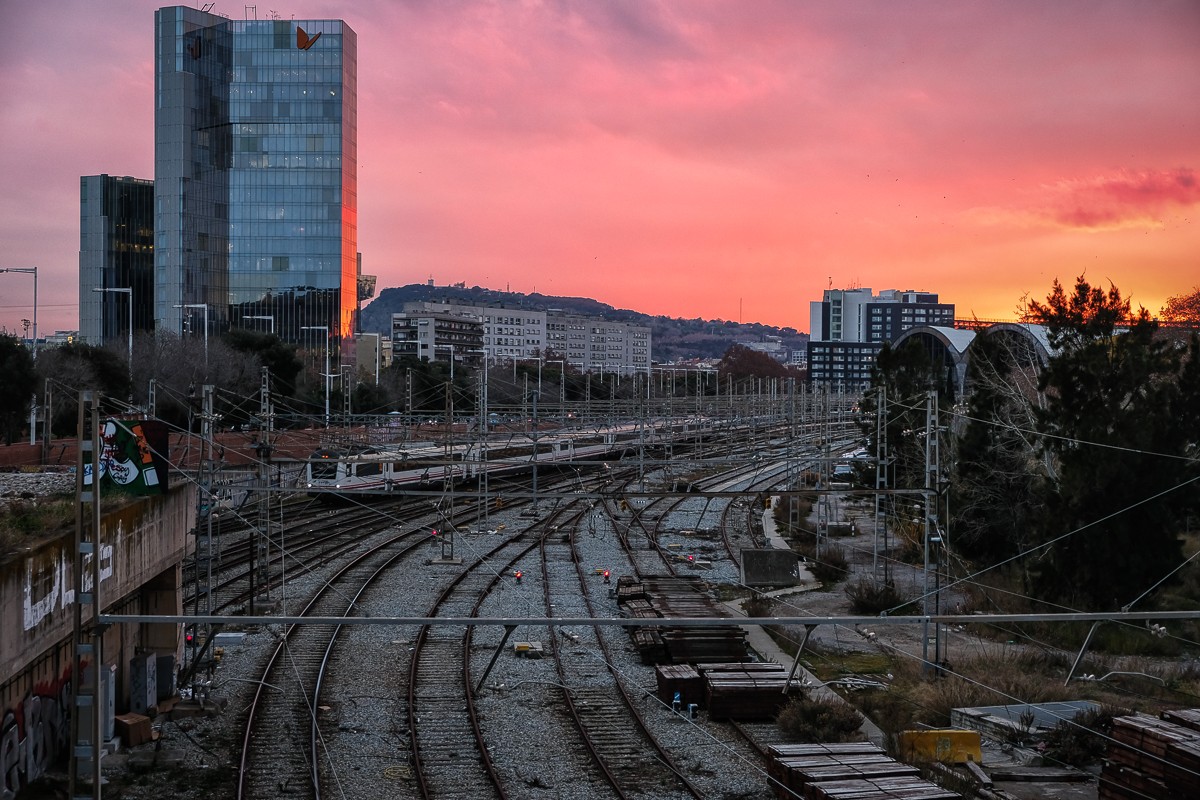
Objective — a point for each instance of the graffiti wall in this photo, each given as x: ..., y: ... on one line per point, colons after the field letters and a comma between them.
x: 34, y: 734
x: 138, y: 541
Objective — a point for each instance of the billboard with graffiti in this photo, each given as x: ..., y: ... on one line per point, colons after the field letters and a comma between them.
x: 133, y: 456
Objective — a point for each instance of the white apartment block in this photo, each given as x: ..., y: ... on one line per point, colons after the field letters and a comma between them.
x: 589, y: 344
x: 592, y: 344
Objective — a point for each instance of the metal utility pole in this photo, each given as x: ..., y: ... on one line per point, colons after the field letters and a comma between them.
x: 346, y: 381
x: 46, y: 407
x: 327, y: 376
x: 206, y: 557
x: 535, y: 450
x: 793, y: 463
x: 482, y: 481
x: 87, y: 680
x: 931, y: 536
x: 642, y: 433
x: 881, y: 571
x: 262, y: 533
x: 826, y: 472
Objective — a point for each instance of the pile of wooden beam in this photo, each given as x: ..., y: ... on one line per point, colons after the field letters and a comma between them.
x: 748, y: 691
x: 853, y: 771
x: 1152, y: 758
x: 680, y: 680
x: 677, y: 596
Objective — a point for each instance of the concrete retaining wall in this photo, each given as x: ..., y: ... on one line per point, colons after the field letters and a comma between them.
x: 142, y: 545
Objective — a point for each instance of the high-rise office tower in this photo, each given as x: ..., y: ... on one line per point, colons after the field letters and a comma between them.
x: 255, y: 173
x: 116, y: 252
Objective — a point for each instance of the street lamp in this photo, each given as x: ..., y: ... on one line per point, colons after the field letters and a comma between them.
x: 481, y: 411
x: 29, y: 271
x: 562, y: 383
x: 449, y: 347
x: 324, y: 328
x: 205, y: 307
x: 268, y: 317
x: 129, y: 291
x: 378, y: 353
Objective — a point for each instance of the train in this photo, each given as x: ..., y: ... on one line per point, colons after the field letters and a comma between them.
x: 360, y: 469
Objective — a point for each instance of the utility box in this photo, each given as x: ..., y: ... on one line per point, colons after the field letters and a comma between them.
x: 164, y: 677
x: 945, y: 745
x: 143, y: 683
x: 770, y: 567
x: 107, y: 703
x: 108, y: 700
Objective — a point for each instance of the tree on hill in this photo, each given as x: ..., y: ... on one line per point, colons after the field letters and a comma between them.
x: 1182, y: 308
x: 16, y: 390
x: 1120, y: 423
x: 276, y: 355
x: 77, y: 366
x: 740, y: 362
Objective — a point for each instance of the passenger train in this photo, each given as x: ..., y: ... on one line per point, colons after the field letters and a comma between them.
x: 381, y: 470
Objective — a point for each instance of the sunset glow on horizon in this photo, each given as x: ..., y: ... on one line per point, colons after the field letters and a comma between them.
x: 718, y: 160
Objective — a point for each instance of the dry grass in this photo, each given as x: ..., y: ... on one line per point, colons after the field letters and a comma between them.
x: 1020, y: 677
x: 25, y: 523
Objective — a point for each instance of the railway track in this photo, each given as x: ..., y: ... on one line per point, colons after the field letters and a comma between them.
x: 445, y: 743
x: 634, y: 762
x: 282, y: 744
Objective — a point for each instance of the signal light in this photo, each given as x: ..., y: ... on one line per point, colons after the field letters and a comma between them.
x: 607, y: 574
x: 190, y: 637
x: 434, y: 532
x: 691, y: 557
x: 518, y: 575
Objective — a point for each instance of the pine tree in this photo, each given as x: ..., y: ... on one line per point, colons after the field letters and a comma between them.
x: 1119, y: 423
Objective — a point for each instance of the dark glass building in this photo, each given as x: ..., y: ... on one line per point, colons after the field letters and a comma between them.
x: 255, y: 165
x: 116, y: 251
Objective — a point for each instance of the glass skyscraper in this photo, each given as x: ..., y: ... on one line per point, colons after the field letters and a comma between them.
x: 116, y: 251
x: 255, y: 173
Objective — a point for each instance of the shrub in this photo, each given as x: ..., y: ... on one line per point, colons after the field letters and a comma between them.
x: 871, y: 597
x: 819, y: 720
x: 1082, y: 741
x: 791, y: 514
x: 831, y: 567
x: 758, y: 605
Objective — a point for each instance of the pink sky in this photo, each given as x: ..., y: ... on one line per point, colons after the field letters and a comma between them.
x: 721, y: 160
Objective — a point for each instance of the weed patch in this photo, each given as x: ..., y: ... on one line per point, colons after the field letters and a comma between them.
x: 819, y: 720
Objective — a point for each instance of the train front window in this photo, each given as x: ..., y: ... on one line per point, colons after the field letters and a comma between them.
x: 324, y: 470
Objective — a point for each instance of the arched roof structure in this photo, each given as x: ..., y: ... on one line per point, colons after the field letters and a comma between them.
x: 949, y: 347
x: 1033, y: 339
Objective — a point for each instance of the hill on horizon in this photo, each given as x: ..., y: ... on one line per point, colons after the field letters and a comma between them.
x: 674, y: 338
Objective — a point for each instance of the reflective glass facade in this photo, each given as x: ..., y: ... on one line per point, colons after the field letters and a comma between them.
x: 116, y: 250
x: 256, y: 172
